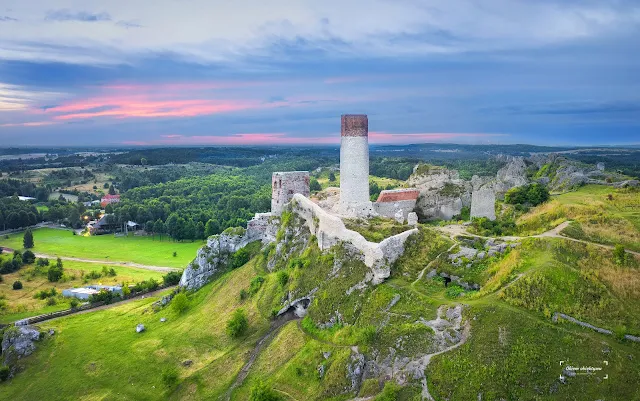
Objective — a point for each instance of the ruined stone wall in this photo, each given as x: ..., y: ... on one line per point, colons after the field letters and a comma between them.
x: 284, y: 185
x: 389, y: 209
x: 483, y: 202
x: 330, y: 230
x: 354, y: 165
x: 263, y: 227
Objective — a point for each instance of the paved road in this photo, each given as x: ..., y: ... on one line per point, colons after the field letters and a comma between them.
x: 163, y: 269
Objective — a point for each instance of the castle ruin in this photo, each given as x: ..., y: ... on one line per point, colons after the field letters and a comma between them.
x: 284, y: 185
x: 354, y: 166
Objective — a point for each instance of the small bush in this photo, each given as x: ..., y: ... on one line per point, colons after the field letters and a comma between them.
x: 74, y: 303
x: 175, y: 254
x: 369, y: 335
x: 171, y: 278
x: 180, y: 303
x: 93, y: 275
x: 42, y: 262
x: 4, y: 373
x: 238, y: 324
x: 243, y: 294
x: 255, y: 285
x: 283, y: 278
x: 389, y: 392
x: 55, y: 273
x: 28, y: 257
x: 51, y: 301
x: 261, y: 392
x: 17, y: 285
x: 170, y: 377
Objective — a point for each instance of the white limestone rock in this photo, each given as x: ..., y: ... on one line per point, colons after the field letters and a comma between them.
x: 412, y: 219
x: 442, y: 192
x: 483, y: 202
x: 140, y: 328
x: 18, y: 342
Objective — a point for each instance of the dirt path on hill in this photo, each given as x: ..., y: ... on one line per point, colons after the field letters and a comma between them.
x: 163, y: 269
x: 455, y: 230
x: 262, y: 343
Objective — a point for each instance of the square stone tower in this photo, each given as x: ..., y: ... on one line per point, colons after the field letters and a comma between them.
x: 354, y: 165
x: 284, y: 185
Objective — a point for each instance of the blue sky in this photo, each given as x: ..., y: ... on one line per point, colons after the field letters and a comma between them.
x: 197, y: 72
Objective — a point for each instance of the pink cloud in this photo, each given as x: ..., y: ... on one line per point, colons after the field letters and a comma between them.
x: 29, y: 124
x: 387, y: 137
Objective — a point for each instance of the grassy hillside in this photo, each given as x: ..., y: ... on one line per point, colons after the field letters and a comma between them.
x: 513, y: 351
x: 143, y: 250
x: 602, y: 214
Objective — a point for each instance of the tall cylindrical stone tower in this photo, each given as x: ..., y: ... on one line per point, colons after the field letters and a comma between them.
x: 354, y: 164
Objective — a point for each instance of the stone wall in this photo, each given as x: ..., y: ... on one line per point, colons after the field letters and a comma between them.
x: 330, y: 230
x: 284, y: 185
x: 263, y: 227
x: 389, y: 209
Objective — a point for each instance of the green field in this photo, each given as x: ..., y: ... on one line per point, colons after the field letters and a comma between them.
x: 143, y: 250
x: 21, y: 303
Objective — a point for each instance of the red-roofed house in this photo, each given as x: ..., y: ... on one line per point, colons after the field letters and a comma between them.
x: 108, y: 199
x: 392, y: 201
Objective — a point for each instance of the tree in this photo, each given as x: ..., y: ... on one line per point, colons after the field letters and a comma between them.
x: 261, y: 392
x: 211, y: 228
x: 112, y: 190
x: 332, y: 177
x: 238, y: 324
x: 27, y: 239
x: 149, y: 226
x: 180, y: 303
x: 17, y: 285
x: 55, y: 272
x: 314, y: 185
x: 619, y: 254
x: 158, y: 227
x: 28, y: 257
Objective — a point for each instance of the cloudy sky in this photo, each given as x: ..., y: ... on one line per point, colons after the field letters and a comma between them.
x: 143, y: 72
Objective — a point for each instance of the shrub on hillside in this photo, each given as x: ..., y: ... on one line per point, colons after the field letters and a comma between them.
x: 104, y: 296
x: 239, y: 258
x: 180, y: 303
x: 41, y: 262
x: 28, y: 257
x: 4, y: 373
x: 283, y: 278
x: 619, y: 254
x: 532, y: 194
x: 389, y: 393
x: 171, y: 278
x: 74, y: 303
x: 255, y: 284
x: 170, y: 377
x: 17, y: 285
x: 261, y: 392
x: 55, y: 273
x: 238, y: 324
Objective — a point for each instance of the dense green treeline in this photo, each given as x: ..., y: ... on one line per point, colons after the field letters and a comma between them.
x: 194, y: 207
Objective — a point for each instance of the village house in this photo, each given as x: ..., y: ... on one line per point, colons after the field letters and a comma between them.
x: 109, y: 199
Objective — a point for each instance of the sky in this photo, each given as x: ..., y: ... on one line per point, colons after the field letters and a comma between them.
x: 213, y: 72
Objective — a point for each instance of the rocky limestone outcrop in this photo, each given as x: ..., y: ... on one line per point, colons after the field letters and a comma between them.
x: 212, y: 256
x: 330, y: 230
x: 443, y: 193
x: 18, y: 342
x: 513, y: 174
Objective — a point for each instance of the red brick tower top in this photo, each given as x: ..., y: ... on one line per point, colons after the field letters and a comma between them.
x: 354, y: 125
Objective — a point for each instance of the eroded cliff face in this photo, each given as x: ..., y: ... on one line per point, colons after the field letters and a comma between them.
x: 443, y: 193
x: 213, y: 256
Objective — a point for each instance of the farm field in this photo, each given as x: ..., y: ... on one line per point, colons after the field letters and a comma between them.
x: 143, y: 250
x: 21, y: 303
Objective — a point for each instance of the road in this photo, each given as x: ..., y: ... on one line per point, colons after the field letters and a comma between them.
x: 163, y: 269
